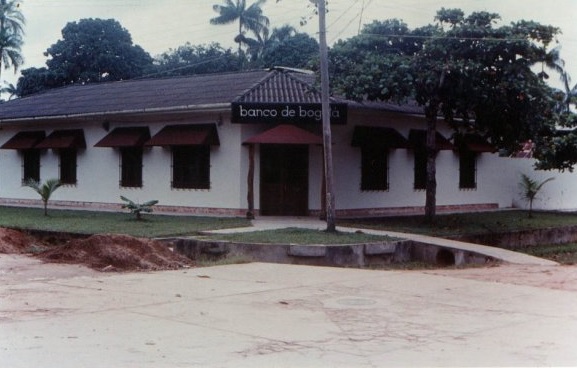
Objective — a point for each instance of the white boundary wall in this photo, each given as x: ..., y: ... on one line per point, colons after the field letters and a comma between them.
x: 558, y: 194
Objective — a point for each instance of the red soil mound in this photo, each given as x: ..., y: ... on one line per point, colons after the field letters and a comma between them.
x: 107, y: 252
x: 17, y: 242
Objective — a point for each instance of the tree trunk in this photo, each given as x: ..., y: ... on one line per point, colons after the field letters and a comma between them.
x: 431, y: 185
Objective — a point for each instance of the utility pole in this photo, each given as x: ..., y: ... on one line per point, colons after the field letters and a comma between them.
x: 326, y: 112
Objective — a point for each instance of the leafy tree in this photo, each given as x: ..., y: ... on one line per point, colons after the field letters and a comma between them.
x: 196, y: 59
x: 136, y: 208
x: 250, y: 19
x: 96, y: 50
x: 464, y: 68
x: 286, y: 47
x: 33, y: 80
x: 11, y: 31
x: 530, y: 188
x: 45, y: 190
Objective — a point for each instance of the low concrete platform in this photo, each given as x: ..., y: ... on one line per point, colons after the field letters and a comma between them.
x: 271, y: 315
x: 458, y: 247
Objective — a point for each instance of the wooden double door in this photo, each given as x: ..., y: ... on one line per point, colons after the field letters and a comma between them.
x: 284, y: 179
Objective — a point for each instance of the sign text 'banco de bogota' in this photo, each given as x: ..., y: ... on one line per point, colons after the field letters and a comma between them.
x: 294, y: 113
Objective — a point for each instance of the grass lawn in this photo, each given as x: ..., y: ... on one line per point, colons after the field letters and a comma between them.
x: 154, y: 225
x: 302, y: 236
x: 563, y: 253
x: 89, y: 222
x: 447, y: 225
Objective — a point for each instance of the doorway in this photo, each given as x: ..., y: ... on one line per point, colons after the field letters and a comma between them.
x: 284, y: 179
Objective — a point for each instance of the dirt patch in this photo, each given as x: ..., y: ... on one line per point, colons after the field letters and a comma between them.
x: 107, y: 252
x: 103, y: 252
x: 550, y: 277
x: 17, y: 242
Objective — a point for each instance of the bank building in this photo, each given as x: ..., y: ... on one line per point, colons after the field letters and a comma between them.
x: 237, y: 144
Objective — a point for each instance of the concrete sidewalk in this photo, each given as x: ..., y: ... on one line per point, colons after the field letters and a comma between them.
x: 271, y: 315
x: 270, y: 223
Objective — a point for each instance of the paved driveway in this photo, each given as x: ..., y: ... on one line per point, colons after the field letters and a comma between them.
x: 270, y: 315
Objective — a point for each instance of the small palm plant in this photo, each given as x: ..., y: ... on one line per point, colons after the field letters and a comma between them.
x: 138, y: 208
x: 530, y: 188
x: 45, y: 190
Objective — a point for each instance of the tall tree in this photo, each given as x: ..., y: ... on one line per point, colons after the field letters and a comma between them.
x: 555, y: 149
x: 475, y: 75
x: 287, y: 47
x: 90, y: 51
x: 33, y: 80
x: 195, y: 59
x: 12, y: 23
x: 250, y: 19
x: 96, y: 50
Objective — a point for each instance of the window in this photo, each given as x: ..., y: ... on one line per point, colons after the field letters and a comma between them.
x: 31, y: 165
x: 420, y: 169
x: 191, y: 167
x: 374, y: 168
x: 67, y: 165
x: 131, y: 167
x: 467, y: 169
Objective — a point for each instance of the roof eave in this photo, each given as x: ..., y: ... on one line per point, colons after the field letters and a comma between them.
x: 184, y: 108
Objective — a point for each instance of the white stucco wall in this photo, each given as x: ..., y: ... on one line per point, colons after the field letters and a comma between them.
x: 558, y: 194
x: 98, y: 172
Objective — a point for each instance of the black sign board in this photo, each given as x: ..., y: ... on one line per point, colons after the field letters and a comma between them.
x: 280, y: 113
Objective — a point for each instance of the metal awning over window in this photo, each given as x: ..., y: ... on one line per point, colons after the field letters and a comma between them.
x: 285, y: 134
x: 24, y: 140
x: 474, y: 143
x: 125, y: 137
x: 62, y: 139
x: 186, y: 135
x: 378, y: 137
x: 418, y: 139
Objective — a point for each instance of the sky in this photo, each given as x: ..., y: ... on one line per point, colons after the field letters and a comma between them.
x: 158, y: 25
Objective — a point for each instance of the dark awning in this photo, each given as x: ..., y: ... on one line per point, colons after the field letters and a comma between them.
x: 418, y: 139
x: 72, y: 138
x: 474, y: 143
x: 285, y: 134
x: 186, y: 135
x: 125, y: 137
x: 24, y: 140
x: 378, y: 137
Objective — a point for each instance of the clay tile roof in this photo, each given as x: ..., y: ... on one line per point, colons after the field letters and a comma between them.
x: 280, y: 86
x: 132, y: 96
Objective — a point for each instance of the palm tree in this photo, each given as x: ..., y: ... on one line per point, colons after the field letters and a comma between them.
x: 10, y: 50
x: 570, y: 94
x: 9, y: 88
x: 45, y: 190
x: 254, y: 46
x: 530, y: 188
x: 11, y: 31
x: 551, y: 60
x: 249, y: 19
x: 11, y: 16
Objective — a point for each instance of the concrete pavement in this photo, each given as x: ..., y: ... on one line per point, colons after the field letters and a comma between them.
x: 271, y: 315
